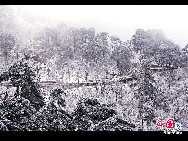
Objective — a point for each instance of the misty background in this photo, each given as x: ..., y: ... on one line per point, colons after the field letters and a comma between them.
x: 120, y: 20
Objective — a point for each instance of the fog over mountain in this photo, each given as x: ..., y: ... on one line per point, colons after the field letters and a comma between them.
x: 121, y: 20
x: 93, y: 68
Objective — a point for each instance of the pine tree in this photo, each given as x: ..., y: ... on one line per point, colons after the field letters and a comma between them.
x: 22, y: 77
x: 146, y: 93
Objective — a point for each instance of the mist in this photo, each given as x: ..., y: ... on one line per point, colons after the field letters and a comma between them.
x: 120, y: 20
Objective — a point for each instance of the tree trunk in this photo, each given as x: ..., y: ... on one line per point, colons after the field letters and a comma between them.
x: 142, y: 124
x: 17, y: 91
x: 86, y: 78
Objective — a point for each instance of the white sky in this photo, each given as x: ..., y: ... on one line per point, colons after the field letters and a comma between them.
x: 120, y: 20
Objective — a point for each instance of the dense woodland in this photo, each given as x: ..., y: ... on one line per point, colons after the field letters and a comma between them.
x: 31, y: 54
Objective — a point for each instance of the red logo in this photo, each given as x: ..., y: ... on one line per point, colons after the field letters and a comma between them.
x: 169, y: 123
x: 158, y: 123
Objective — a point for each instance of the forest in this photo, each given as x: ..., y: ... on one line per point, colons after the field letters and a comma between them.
x: 62, y: 78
